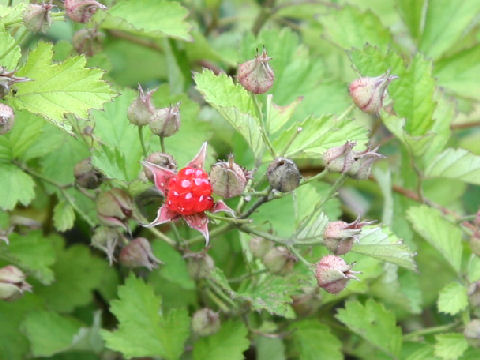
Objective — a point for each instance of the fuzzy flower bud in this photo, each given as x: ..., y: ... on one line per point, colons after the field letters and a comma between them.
x: 164, y: 160
x: 228, y: 179
x: 333, y: 273
x: 138, y: 253
x: 86, y: 175
x: 340, y: 158
x: 259, y: 246
x: 37, y: 17
x: 205, y: 322
x: 199, y: 265
x: 88, y: 41
x: 364, y: 160
x: 7, y: 119
x: 141, y: 111
x: 283, y: 175
x: 279, y: 260
x: 106, y: 239
x: 82, y: 10
x: 256, y: 75
x: 115, y: 207
x: 368, y: 92
x: 307, y: 302
x: 12, y: 283
x: 7, y: 79
x: 166, y: 121
x: 339, y: 236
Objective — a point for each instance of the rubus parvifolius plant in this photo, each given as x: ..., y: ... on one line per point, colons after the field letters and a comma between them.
x: 239, y: 179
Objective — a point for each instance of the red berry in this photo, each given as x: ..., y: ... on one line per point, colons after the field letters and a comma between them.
x: 189, y: 192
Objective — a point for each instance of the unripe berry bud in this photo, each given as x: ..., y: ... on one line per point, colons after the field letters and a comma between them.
x: 279, y: 260
x: 199, y: 265
x: 205, y: 322
x: 333, y: 273
x: 86, y: 175
x: 228, y: 179
x: 339, y: 236
x: 283, y: 175
x: 82, y: 10
x: 368, y: 92
x: 37, y: 17
x: 256, y: 75
x: 166, y: 121
x: 138, y: 253
x: 164, y: 160
x: 141, y: 111
x: 472, y: 332
x: 88, y: 41
x: 106, y: 239
x: 7, y: 119
x: 115, y: 207
x: 259, y: 246
x: 364, y: 160
x: 306, y: 303
x: 340, y: 158
x: 12, y: 283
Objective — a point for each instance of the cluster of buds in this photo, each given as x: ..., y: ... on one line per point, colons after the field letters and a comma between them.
x: 7, y: 79
x: 228, y: 179
x: 82, y: 10
x: 138, y: 253
x: 340, y: 236
x: 7, y: 119
x: 205, y: 322
x: 37, y: 17
x: 115, y: 207
x: 333, y: 273
x: 88, y: 41
x: 368, y: 93
x: 12, y: 283
x: 347, y: 161
x: 86, y: 175
x: 256, y: 75
x: 283, y: 175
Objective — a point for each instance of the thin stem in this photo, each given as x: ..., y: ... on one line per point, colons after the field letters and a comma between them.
x: 230, y: 220
x: 255, y: 206
x: 140, y: 136
x: 162, y: 143
x: 299, y: 256
x: 429, y: 331
x: 263, y: 131
x: 290, y: 142
x: 468, y: 125
x: 220, y: 292
x: 268, y: 236
x: 139, y: 218
x: 221, y: 305
x: 215, y: 232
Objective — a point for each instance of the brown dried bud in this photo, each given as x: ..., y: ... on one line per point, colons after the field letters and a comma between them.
x: 166, y: 121
x: 279, y: 260
x: 115, y: 207
x: 7, y: 119
x: 256, y: 75
x: 82, y: 10
x: 283, y: 175
x: 141, y: 111
x: 333, y: 273
x: 205, y: 322
x: 106, y: 239
x: 86, y: 175
x: 138, y: 253
x: 164, y: 160
x: 88, y: 41
x: 228, y: 179
x: 12, y: 283
x: 37, y: 17
x: 7, y: 79
x: 199, y: 265
x: 368, y: 92
x: 259, y: 246
x: 339, y: 236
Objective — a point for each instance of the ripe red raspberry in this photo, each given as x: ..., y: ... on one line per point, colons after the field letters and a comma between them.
x: 189, y: 192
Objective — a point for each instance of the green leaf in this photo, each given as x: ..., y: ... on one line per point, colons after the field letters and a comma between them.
x: 411, y: 12
x: 77, y: 274
x: 11, y: 14
x: 59, y: 89
x: 278, y: 116
x: 455, y: 164
x: 15, y: 187
x: 143, y: 330
x: 32, y: 252
x: 442, y: 235
x: 473, y: 269
x: 49, y: 333
x: 460, y: 73
x: 349, y: 27
x: 450, y: 346
x: 381, y: 243
x: 136, y: 16
x: 63, y: 216
x: 10, y: 53
x: 234, y: 103
x: 452, y: 298
x: 269, y: 348
x: 228, y: 343
x: 440, y: 33
x: 310, y: 338
x: 374, y: 323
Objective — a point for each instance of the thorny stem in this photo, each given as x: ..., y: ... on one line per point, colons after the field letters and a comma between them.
x: 140, y: 136
x: 263, y: 130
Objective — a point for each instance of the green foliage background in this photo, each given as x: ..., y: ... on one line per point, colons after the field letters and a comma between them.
x: 414, y: 297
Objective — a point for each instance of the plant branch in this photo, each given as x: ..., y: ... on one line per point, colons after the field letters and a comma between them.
x: 140, y: 136
x: 255, y: 206
x: 468, y: 125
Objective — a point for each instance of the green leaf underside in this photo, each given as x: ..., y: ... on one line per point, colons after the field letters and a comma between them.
x: 455, y: 164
